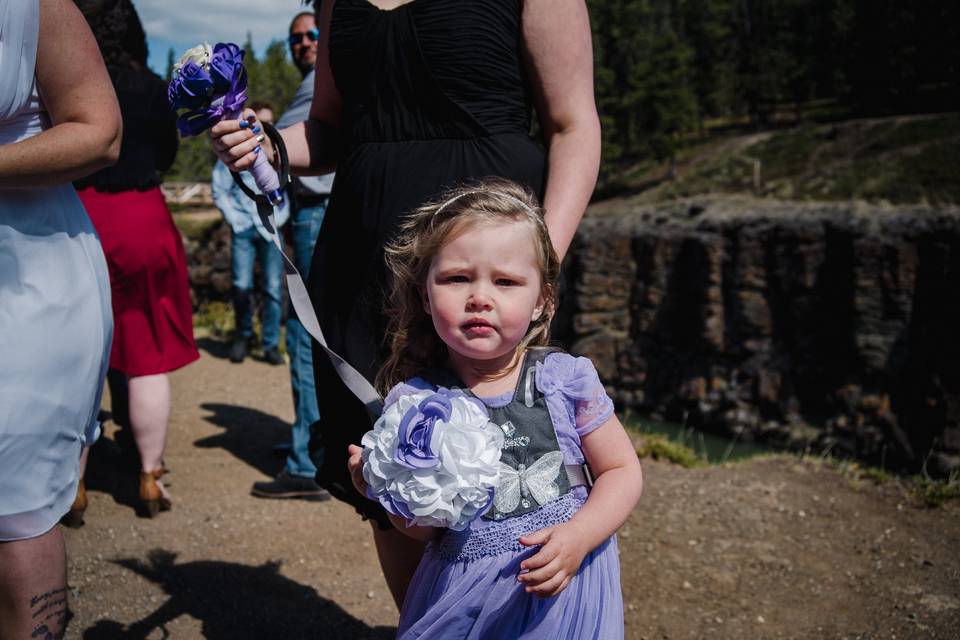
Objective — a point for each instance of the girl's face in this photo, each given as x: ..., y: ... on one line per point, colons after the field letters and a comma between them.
x: 483, y: 289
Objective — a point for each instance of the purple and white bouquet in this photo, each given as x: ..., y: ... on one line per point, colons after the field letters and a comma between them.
x: 433, y: 458
x: 210, y: 83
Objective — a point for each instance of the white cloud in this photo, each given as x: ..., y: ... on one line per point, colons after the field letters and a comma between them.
x: 181, y: 24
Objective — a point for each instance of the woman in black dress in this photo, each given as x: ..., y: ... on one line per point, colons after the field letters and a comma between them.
x: 412, y: 97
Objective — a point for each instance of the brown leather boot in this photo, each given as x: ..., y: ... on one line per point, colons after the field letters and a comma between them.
x: 74, y: 517
x: 151, y: 497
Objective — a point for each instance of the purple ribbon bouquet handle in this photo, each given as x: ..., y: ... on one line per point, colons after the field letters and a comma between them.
x: 210, y: 84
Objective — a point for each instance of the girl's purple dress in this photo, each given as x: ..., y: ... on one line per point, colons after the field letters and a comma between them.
x: 466, y: 585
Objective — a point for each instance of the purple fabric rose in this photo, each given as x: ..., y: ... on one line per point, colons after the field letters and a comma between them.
x: 192, y: 87
x: 396, y: 507
x: 416, y: 432
x: 210, y: 95
x: 225, y: 64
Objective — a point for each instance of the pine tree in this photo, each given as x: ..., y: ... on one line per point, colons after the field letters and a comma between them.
x: 621, y: 56
x: 669, y: 102
x: 277, y: 79
x: 171, y: 60
x: 709, y: 32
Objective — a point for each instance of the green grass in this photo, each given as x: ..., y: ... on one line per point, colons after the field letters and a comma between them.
x: 684, y: 445
x: 194, y: 227
x: 927, y: 491
x: 892, y: 136
x: 935, y: 493
x: 789, y: 153
x: 688, y: 448
x: 216, y: 318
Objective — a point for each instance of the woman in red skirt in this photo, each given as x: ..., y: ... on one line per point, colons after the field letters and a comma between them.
x: 152, y: 314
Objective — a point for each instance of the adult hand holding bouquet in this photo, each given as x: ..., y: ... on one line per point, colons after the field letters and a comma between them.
x: 210, y: 83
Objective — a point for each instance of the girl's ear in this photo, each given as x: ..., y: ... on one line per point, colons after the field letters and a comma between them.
x: 537, y: 310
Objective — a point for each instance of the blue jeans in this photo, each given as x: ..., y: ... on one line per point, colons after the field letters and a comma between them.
x: 246, y: 248
x: 306, y: 227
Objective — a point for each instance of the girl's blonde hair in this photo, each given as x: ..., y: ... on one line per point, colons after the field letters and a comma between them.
x: 414, y: 343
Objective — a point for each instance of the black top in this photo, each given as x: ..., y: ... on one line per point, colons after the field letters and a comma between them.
x: 150, y: 140
x: 429, y: 69
x: 434, y: 94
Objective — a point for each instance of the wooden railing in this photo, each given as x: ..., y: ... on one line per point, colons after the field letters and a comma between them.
x: 188, y: 193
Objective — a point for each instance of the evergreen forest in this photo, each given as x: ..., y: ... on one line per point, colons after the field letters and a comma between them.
x: 669, y: 72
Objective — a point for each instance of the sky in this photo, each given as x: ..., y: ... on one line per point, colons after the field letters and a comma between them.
x: 182, y: 24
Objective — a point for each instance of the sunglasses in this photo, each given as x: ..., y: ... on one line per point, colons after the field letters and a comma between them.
x: 296, y: 38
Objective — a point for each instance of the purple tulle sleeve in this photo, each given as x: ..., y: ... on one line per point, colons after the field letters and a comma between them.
x: 571, y: 386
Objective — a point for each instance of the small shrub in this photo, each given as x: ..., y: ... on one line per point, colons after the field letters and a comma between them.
x: 660, y: 447
x: 216, y: 317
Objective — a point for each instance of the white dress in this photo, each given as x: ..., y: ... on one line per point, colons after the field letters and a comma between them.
x: 55, y: 318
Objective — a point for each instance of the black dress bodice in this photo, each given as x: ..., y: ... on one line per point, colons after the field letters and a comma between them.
x: 430, y: 69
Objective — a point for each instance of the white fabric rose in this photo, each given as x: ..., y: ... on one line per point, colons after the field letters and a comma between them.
x: 433, y: 459
x: 199, y: 54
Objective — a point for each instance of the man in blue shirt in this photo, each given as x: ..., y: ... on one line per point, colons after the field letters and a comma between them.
x: 249, y: 243
x: 309, y: 201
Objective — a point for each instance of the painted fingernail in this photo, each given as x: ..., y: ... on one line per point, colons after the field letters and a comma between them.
x: 256, y: 129
x: 252, y: 118
x: 260, y: 138
x: 257, y: 150
x: 244, y: 124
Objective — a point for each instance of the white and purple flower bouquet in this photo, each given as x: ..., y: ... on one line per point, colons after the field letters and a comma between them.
x: 433, y: 459
x: 210, y: 83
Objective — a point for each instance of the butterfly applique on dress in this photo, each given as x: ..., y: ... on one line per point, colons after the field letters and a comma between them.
x: 537, y: 482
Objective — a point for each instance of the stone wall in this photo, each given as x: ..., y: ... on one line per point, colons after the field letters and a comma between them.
x: 827, y: 325
x: 208, y: 262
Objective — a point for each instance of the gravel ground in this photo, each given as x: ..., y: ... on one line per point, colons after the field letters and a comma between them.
x: 770, y: 548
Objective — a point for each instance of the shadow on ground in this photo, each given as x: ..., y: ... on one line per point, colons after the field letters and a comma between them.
x: 115, y: 470
x: 217, y: 348
x: 235, y: 601
x: 249, y: 434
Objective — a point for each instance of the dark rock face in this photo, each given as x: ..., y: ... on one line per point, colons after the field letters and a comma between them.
x: 827, y: 325
x: 208, y: 264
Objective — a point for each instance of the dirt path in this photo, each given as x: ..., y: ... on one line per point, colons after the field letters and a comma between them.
x: 773, y: 548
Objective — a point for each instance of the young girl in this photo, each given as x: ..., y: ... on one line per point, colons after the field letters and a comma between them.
x: 474, y: 292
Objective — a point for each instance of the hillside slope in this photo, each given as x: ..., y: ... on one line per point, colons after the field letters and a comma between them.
x: 899, y: 160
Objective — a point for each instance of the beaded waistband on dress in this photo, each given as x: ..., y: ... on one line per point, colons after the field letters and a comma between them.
x: 503, y: 536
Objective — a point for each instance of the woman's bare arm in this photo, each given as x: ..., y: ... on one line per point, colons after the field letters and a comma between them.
x: 560, y: 63
x: 79, y: 98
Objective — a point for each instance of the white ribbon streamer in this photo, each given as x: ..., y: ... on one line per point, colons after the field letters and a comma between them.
x: 300, y: 299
